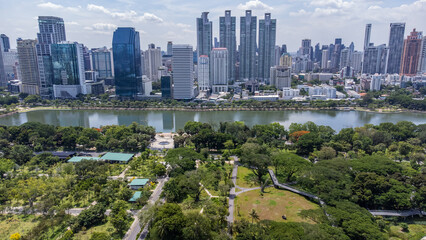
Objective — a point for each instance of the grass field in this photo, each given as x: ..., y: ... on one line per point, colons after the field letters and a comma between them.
x: 16, y: 224
x: 246, y: 178
x: 85, y: 235
x: 272, y: 205
x: 416, y: 232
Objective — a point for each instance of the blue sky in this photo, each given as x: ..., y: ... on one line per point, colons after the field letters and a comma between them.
x: 93, y: 22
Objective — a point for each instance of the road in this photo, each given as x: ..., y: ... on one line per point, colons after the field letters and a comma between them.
x: 232, y: 195
x: 135, y: 228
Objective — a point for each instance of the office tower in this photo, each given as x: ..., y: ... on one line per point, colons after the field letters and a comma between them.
x: 216, y: 42
x: 3, y: 79
x: 166, y: 86
x: 169, y: 48
x: 375, y: 59
x: 411, y: 53
x: 367, y: 36
x: 101, y: 62
x: 11, y: 64
x: 183, y: 81
x: 219, y: 71
x: 248, y: 28
x: 51, y: 30
x: 324, y: 60
x: 68, y: 70
x: 281, y: 77
x: 283, y: 49
x: 337, y: 41
x: 86, y: 57
x: 335, y: 55
x: 422, y: 64
x: 204, y: 35
x: 286, y: 60
x: 267, y: 36
x: 5, y: 41
x: 152, y: 59
x: 127, y: 62
x: 203, y: 73
x: 356, y: 62
x: 317, y: 53
x: 396, y: 43
x: 344, y: 58
x: 305, y: 49
x: 228, y: 40
x: 277, y: 56
x: 27, y: 57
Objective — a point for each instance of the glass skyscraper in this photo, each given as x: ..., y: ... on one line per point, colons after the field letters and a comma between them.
x: 5, y: 42
x: 28, y: 65
x: 52, y: 30
x: 396, y: 43
x: 101, y: 62
x: 204, y: 35
x: 127, y: 62
x: 267, y: 36
x: 227, y: 29
x: 248, y: 28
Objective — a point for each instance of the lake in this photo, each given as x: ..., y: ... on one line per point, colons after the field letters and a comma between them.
x: 168, y: 121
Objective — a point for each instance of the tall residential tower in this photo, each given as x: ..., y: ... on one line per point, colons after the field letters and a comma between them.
x: 248, y: 28
x: 267, y: 36
x: 396, y: 43
x: 227, y: 29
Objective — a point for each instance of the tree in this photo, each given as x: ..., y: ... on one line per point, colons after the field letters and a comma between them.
x: 119, y: 216
x: 20, y: 154
x: 289, y: 163
x: 92, y: 216
x: 256, y: 158
x: 32, y: 99
x: 100, y: 236
x: 326, y: 153
x: 5, y: 166
x: 168, y: 222
x: 253, y: 215
x: 183, y: 158
x: 308, y: 143
x: 197, y: 226
x: 68, y: 235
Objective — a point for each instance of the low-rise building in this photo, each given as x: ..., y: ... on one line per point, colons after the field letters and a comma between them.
x: 138, y: 183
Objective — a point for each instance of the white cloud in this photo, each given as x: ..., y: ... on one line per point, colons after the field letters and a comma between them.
x: 72, y: 23
x: 50, y: 5
x: 104, y: 26
x: 126, y: 16
x: 301, y: 12
x: 332, y: 3
x: 254, y: 5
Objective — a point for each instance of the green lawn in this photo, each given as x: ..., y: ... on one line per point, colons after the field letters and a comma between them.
x: 246, y: 178
x: 416, y: 232
x: 272, y: 205
x: 10, y: 224
x: 85, y: 235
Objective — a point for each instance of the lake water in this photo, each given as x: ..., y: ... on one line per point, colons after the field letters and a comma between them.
x: 168, y: 121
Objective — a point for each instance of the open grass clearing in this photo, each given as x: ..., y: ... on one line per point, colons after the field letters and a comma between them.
x: 10, y: 224
x: 415, y: 232
x: 246, y: 178
x: 272, y: 205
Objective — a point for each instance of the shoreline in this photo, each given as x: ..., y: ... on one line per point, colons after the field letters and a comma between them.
x: 183, y: 109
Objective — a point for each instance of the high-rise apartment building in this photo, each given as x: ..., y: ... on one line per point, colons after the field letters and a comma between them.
x: 127, y: 62
x: 344, y: 58
x: 305, y: 49
x: 396, y: 43
x: 286, y: 60
x: 227, y: 32
x: 5, y: 41
x: 267, y: 36
x: 203, y: 77
x: 325, y: 57
x: 375, y: 59
x: 422, y: 64
x: 3, y: 79
x: 27, y: 57
x: 356, y: 62
x: 51, y: 30
x: 248, y: 28
x: 153, y: 61
x: 280, y: 77
x: 68, y: 70
x: 183, y: 81
x: 367, y: 36
x: 204, y: 35
x: 411, y: 53
x: 101, y: 62
x: 219, y: 72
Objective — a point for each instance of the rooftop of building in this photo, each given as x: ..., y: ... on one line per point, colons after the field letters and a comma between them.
x: 79, y: 159
x: 135, y: 196
x: 139, y: 182
x: 121, y: 157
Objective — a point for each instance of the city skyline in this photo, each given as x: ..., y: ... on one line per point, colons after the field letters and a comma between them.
x: 94, y: 24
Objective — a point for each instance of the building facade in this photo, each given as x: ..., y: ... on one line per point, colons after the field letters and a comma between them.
x: 248, y: 28
x: 227, y: 32
x: 267, y: 36
x: 27, y: 56
x: 204, y: 35
x: 5, y: 41
x: 281, y: 77
x: 375, y: 59
x: 102, y: 63
x: 219, y: 71
x: 127, y: 62
x: 422, y: 64
x: 411, y: 53
x: 152, y: 62
x: 203, y: 75
x: 396, y: 43
x: 183, y: 80
x: 166, y: 86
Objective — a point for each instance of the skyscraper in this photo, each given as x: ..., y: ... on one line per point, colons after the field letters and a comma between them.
x: 219, y: 71
x: 286, y: 60
x: 248, y: 28
x: 324, y: 60
x: 283, y: 49
x: 204, y: 35
x: 357, y: 61
x: 152, y: 59
x: 3, y: 80
x: 267, y: 36
x: 305, y: 49
x: 52, y: 30
x: 169, y: 48
x: 411, y: 53
x: 86, y: 57
x: 227, y: 25
x: 422, y: 64
x: 27, y: 56
x: 68, y: 70
x: 203, y: 73
x: 101, y: 62
x: 396, y: 43
x: 375, y: 59
x: 367, y: 36
x: 5, y: 41
x: 127, y: 62
x: 183, y: 87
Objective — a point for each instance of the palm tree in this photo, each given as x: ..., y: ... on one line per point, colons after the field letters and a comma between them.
x: 254, y: 216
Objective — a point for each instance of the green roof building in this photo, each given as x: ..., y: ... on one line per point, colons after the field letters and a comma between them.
x: 138, y: 183
x: 136, y: 196
x: 117, y: 157
x: 79, y: 159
